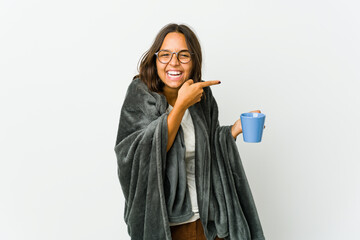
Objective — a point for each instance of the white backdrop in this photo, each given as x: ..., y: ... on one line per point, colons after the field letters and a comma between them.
x: 64, y: 69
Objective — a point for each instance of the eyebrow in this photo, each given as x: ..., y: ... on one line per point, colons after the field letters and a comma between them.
x: 178, y: 51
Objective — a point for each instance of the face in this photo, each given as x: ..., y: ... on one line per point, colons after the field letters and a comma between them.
x: 174, y: 73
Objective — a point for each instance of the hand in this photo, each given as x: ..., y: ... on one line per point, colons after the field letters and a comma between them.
x: 191, y: 93
x: 236, y: 129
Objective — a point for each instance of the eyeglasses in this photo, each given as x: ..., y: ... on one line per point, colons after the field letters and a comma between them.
x: 165, y: 56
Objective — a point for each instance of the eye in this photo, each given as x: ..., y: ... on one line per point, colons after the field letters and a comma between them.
x: 185, y: 54
x: 164, y: 54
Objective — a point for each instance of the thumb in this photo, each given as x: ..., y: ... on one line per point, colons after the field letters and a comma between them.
x: 190, y: 82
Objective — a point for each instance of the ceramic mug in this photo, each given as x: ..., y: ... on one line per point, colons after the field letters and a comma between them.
x: 252, y: 126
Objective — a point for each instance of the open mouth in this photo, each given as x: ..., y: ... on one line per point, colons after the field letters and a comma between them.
x: 174, y: 74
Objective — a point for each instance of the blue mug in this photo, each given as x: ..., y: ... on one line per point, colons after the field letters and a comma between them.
x: 252, y: 126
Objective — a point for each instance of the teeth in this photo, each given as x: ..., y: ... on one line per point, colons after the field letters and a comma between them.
x: 174, y: 73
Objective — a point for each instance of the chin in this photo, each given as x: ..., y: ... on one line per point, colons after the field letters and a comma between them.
x: 175, y: 84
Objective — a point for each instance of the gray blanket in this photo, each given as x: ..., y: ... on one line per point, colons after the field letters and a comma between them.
x: 154, y: 181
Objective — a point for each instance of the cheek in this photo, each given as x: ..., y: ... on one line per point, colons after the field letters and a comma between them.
x: 160, y: 68
x: 189, y: 70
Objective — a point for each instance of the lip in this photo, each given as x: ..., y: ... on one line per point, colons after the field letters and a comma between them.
x: 174, y: 78
x: 175, y: 70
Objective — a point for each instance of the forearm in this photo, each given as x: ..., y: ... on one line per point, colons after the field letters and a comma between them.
x: 174, y: 121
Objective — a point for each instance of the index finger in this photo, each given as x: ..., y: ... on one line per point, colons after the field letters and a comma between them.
x: 209, y: 83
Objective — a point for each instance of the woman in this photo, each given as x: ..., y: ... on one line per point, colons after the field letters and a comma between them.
x: 180, y: 171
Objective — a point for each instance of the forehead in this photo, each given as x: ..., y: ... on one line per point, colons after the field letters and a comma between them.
x: 174, y: 41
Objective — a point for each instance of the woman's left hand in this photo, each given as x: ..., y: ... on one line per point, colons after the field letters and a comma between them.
x: 236, y: 129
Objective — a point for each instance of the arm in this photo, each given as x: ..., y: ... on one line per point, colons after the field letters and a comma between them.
x: 189, y: 94
x: 174, y: 121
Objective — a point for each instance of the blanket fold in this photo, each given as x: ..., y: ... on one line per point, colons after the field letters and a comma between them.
x: 154, y: 181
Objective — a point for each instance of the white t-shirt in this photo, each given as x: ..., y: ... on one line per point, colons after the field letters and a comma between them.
x: 189, y: 138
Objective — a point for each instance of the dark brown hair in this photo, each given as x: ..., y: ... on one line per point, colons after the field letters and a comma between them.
x: 147, y: 70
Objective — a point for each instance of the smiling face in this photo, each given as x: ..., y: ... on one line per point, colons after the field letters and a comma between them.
x: 174, y: 73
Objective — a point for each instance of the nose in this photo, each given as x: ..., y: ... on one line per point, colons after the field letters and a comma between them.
x: 174, y: 60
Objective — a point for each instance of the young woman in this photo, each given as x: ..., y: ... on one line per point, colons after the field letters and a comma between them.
x: 180, y: 172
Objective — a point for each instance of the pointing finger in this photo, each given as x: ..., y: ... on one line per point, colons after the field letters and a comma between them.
x: 209, y: 83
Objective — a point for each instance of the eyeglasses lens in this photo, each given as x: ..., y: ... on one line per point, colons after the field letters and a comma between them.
x: 164, y: 56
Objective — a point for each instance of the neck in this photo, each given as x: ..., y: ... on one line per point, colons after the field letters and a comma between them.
x: 171, y: 95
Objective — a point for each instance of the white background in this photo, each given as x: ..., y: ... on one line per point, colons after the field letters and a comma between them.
x: 65, y: 67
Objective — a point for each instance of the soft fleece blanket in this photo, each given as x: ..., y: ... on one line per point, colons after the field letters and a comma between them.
x: 154, y: 181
